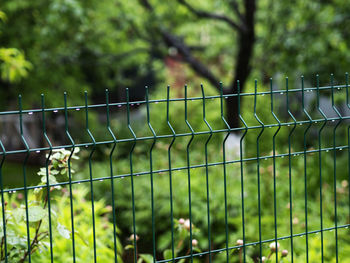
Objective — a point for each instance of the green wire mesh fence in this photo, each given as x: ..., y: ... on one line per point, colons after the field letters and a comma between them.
x: 283, y: 183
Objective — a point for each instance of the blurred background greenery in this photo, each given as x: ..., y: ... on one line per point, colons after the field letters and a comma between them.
x: 72, y: 45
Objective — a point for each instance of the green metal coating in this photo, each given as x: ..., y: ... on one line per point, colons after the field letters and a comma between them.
x: 335, y: 170
x: 47, y: 173
x: 170, y: 179
x: 258, y: 167
x: 70, y: 174
x: 3, y: 201
x: 320, y: 163
x: 274, y: 167
x: 151, y: 172
x: 305, y: 166
x: 112, y: 179
x: 242, y: 170
x: 224, y: 171
x: 284, y: 123
x: 90, y: 173
x: 132, y: 175
x: 207, y: 174
x: 290, y: 173
x: 189, y: 174
x: 28, y: 254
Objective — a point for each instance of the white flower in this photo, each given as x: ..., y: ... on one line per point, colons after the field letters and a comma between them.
x: 187, y: 224
x: 239, y: 242
x: 194, y: 242
x: 131, y: 238
x: 284, y: 253
x: 273, y: 246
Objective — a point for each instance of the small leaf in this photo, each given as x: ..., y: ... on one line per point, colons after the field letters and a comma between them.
x: 19, y: 214
x: 146, y: 258
x: 42, y: 171
x: 52, y: 179
x: 129, y: 247
x: 63, y: 231
x: 168, y: 254
x: 36, y: 213
x: 54, y: 172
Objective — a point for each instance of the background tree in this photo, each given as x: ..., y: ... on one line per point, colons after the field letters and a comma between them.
x: 91, y: 45
x: 238, y: 17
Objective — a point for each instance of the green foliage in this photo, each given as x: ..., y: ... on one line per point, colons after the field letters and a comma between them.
x: 60, y: 214
x: 81, y: 45
x: 13, y: 65
x: 161, y: 184
x: 305, y: 37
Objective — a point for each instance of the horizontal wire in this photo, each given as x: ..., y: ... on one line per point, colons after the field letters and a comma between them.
x: 165, y: 100
x: 256, y: 243
x: 69, y: 146
x: 180, y: 168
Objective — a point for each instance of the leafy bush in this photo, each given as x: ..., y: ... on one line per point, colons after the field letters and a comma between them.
x: 39, y: 225
x: 217, y: 207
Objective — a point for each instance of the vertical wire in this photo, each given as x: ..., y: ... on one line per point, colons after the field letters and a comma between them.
x: 151, y: 176
x: 47, y: 173
x: 335, y: 168
x: 3, y: 201
x: 189, y: 173
x: 241, y: 162
x: 70, y: 174
x: 224, y: 167
x: 290, y: 173
x: 347, y: 103
x: 132, y: 173
x: 28, y: 253
x: 90, y: 173
x: 207, y: 172
x: 170, y: 178
x: 305, y: 168
x: 112, y: 180
x: 320, y: 161
x: 274, y: 168
x: 258, y: 166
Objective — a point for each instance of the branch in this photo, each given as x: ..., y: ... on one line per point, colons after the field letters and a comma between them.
x: 234, y: 4
x: 186, y: 52
x: 205, y: 14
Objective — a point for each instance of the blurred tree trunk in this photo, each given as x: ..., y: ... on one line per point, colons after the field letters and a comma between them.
x: 241, y: 64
